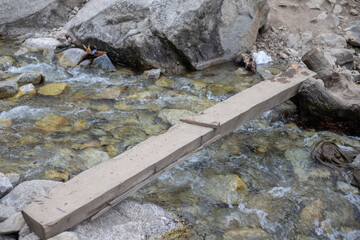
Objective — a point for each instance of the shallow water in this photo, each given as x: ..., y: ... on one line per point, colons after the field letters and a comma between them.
x: 289, y: 196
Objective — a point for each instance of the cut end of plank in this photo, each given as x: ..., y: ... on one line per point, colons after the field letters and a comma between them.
x: 34, y: 225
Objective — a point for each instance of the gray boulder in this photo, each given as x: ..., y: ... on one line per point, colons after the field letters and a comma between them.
x: 71, y: 57
x: 30, y: 77
x: 169, y: 34
x: 6, y: 212
x: 13, y: 224
x: 27, y: 192
x: 343, y: 57
x: 5, y: 185
x: 103, y: 63
x: 8, y: 89
x: 331, y: 40
x: 128, y: 220
x: 23, y: 17
x: 353, y: 35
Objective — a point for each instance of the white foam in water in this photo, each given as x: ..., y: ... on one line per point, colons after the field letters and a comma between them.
x: 86, y: 79
x: 262, y: 58
x: 335, y: 234
x: 25, y: 112
x: 50, y: 72
x: 279, y: 191
x: 264, y: 222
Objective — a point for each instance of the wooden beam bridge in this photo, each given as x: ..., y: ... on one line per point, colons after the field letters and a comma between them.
x: 97, y: 189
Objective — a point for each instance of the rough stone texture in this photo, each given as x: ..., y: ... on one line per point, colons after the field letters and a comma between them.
x: 24, y: 17
x: 6, y: 212
x: 6, y: 62
x: 353, y: 35
x: 5, y: 185
x: 331, y: 40
x: 30, y: 77
x: 128, y: 220
x: 8, y: 89
x: 71, y: 57
x: 298, y: 40
x: 36, y: 44
x: 103, y: 63
x: 30, y: 236
x: 53, y: 89
x: 153, y: 74
x: 65, y: 236
x: 169, y: 34
x: 173, y: 116
x: 27, y: 192
x: 342, y: 56
x: 13, y: 224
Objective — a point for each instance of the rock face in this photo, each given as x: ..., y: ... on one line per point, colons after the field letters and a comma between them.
x: 128, y: 220
x: 5, y: 185
x: 27, y: 192
x: 353, y: 34
x: 32, y: 16
x: 169, y: 34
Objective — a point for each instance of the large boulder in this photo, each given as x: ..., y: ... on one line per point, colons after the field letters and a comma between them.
x: 22, y: 17
x: 169, y: 34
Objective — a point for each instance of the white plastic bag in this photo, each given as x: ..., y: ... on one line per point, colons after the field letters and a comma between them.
x: 262, y: 58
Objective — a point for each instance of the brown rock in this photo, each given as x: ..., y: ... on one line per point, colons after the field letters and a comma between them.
x: 52, y: 123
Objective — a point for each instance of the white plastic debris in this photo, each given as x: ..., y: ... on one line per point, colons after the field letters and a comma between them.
x: 262, y: 58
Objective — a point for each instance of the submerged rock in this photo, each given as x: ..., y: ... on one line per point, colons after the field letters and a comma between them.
x: 5, y: 123
x: 173, y: 116
x: 53, y: 89
x: 30, y: 77
x: 311, y: 213
x: 92, y: 157
x: 248, y: 234
x: 71, y: 57
x: 151, y: 34
x: 228, y: 189
x: 6, y: 62
x: 27, y: 192
x: 165, y: 83
x: 128, y: 220
x: 52, y: 123
x: 103, y: 63
x: 8, y: 89
x: 27, y: 89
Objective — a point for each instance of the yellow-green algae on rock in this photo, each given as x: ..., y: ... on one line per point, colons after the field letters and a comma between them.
x: 53, y: 89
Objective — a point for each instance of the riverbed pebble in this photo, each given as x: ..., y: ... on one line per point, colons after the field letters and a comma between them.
x: 8, y: 89
x: 30, y: 77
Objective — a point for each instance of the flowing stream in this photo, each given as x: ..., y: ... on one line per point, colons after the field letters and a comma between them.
x: 256, y: 183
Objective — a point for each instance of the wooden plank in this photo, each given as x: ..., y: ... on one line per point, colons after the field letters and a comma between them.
x: 106, y: 184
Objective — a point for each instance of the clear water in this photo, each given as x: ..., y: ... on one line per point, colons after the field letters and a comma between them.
x: 289, y: 196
